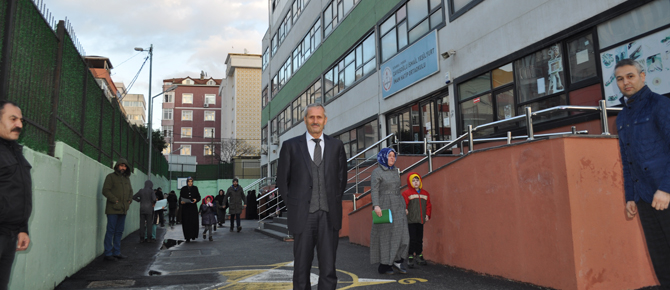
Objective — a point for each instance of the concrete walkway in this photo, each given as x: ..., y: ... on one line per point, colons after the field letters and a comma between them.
x: 250, y: 260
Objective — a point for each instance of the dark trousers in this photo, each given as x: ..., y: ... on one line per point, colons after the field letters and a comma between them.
x: 161, y: 216
x: 656, y: 226
x: 415, y: 239
x: 145, y: 224
x: 7, y: 252
x: 234, y: 217
x: 318, y: 233
x: 171, y: 214
x: 115, y: 225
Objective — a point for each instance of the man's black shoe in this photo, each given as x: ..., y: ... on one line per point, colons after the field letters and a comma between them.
x: 120, y: 257
x: 110, y: 258
x: 239, y: 229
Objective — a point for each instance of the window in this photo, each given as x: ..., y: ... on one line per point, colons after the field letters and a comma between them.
x: 638, y: 21
x: 264, y: 97
x: 186, y: 132
x: 273, y: 130
x: 264, y: 135
x: 360, y: 138
x: 210, y: 116
x: 167, y: 114
x: 167, y: 131
x: 167, y: 149
x: 288, y: 121
x: 275, y: 85
x: 169, y: 98
x: 266, y: 57
x: 540, y: 74
x: 208, y: 150
x: 285, y: 27
x: 274, y: 44
x: 187, y: 98
x: 280, y: 122
x: 487, y: 98
x: 187, y: 115
x: 185, y: 150
x: 209, y: 132
x: 359, y: 62
x: 210, y: 99
x: 334, y: 14
x: 459, y: 7
x: 407, y: 25
x: 581, y: 54
x: 187, y: 82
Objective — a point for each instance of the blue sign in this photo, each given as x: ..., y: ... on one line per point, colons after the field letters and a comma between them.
x: 410, y: 66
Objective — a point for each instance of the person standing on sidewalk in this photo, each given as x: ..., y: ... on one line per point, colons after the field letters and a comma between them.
x: 311, y: 177
x: 419, y: 209
x: 119, y: 193
x: 188, y: 198
x: 172, y: 207
x: 219, y: 202
x: 147, y: 200
x: 208, y: 213
x: 161, y: 213
x: 644, y: 142
x: 236, y: 202
x: 15, y: 190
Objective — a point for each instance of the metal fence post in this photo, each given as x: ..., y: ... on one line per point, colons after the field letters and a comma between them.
x: 509, y: 137
x: 425, y: 145
x: 430, y: 161
x: 471, y: 141
x: 604, y: 126
x: 529, y: 123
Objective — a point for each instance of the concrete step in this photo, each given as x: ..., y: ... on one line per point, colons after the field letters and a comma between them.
x: 275, y: 234
x: 282, y: 228
x: 280, y: 220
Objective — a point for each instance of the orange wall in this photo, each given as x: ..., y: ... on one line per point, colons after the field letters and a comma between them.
x: 548, y: 212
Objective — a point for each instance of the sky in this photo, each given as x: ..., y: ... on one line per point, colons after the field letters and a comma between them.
x: 188, y: 36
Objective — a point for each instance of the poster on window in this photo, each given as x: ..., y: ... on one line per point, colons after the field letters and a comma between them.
x: 652, y: 52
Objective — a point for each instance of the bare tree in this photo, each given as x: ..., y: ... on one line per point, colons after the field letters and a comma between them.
x: 231, y: 148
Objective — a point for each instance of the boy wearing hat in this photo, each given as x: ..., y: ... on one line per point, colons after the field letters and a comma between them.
x: 418, y: 211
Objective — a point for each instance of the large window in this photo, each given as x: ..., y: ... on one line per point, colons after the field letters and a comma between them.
x: 187, y: 115
x: 360, y: 138
x: 209, y: 150
x: 186, y: 132
x: 266, y: 57
x: 284, y: 27
x: 185, y: 150
x: 187, y: 98
x: 209, y: 132
x: 409, y: 23
x: 429, y: 119
x: 459, y: 7
x: 357, y: 63
x: 210, y: 116
x: 308, y: 44
x: 167, y: 114
x: 334, y: 14
x: 169, y: 98
x: 265, y: 99
x: 274, y: 44
x: 210, y: 99
x: 264, y: 135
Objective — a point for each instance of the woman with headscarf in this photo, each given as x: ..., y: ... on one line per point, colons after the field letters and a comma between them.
x: 189, y: 197
x: 388, y: 241
x: 220, y: 203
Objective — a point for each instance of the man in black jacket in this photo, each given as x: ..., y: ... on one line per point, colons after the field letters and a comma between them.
x: 311, y: 177
x: 15, y: 190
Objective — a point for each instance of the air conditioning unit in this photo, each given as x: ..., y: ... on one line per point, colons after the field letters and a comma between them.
x: 206, y: 106
x: 264, y: 149
x: 274, y: 139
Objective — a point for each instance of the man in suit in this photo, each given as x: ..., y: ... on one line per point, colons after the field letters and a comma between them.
x: 311, y: 177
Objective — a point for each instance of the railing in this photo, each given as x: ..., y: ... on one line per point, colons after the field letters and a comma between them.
x: 528, y: 118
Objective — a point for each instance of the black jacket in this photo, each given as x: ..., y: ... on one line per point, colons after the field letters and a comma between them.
x: 16, y: 197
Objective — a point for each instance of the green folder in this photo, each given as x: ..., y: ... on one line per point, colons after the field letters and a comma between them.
x: 386, y: 218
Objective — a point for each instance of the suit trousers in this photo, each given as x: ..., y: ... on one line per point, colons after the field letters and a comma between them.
x: 7, y: 253
x: 656, y: 226
x: 317, y: 233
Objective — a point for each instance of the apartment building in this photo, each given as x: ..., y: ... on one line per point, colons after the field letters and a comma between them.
x: 191, y: 117
x: 426, y: 69
x: 133, y: 104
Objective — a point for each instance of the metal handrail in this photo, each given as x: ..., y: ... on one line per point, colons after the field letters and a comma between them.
x: 266, y: 194
x: 371, y: 146
x: 254, y: 183
x: 528, y: 116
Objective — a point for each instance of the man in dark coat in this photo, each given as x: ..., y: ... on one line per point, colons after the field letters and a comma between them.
x: 644, y: 143
x: 15, y: 190
x: 311, y: 177
x: 236, y: 203
x: 119, y: 194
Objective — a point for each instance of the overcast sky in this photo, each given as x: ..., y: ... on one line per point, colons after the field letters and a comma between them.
x: 188, y: 36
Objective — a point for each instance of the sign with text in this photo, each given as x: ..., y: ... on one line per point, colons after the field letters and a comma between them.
x: 410, y: 66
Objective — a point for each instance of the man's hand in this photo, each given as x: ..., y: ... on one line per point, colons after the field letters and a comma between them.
x: 23, y: 242
x: 378, y: 211
x: 631, y: 209
x: 661, y: 200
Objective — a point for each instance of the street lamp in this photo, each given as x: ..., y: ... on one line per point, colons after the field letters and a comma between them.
x: 151, y: 60
x: 149, y: 129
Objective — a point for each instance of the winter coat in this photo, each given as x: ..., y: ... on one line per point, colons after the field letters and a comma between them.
x: 644, y: 142
x: 208, y: 214
x: 16, y: 196
x: 117, y: 189
x: 236, y: 199
x: 173, y: 202
x: 388, y: 242
x: 418, y: 202
x: 146, y: 198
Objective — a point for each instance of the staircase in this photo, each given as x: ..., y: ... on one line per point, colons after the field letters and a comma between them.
x: 277, y: 228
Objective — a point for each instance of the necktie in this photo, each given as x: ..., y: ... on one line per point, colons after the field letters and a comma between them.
x: 317, y: 151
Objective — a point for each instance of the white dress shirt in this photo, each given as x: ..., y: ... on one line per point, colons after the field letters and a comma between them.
x: 311, y: 144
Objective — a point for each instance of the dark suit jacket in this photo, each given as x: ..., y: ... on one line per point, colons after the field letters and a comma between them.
x: 294, y: 180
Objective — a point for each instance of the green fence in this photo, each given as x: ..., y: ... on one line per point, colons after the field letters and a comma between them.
x: 208, y: 172
x: 43, y: 71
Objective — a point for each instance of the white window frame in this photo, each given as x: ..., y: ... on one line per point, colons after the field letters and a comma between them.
x: 212, y: 97
x: 211, y: 150
x: 184, y: 97
x: 169, y: 98
x: 185, y: 149
x: 170, y: 112
x: 190, y: 129
x: 209, y: 130
x: 213, y: 113
x: 185, y: 114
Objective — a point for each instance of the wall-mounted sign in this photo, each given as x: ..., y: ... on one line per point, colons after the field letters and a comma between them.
x: 652, y: 52
x: 410, y: 66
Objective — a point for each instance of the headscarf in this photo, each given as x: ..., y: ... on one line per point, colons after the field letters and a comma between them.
x: 383, y: 157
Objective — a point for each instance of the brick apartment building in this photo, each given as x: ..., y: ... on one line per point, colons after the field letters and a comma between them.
x: 191, y: 117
